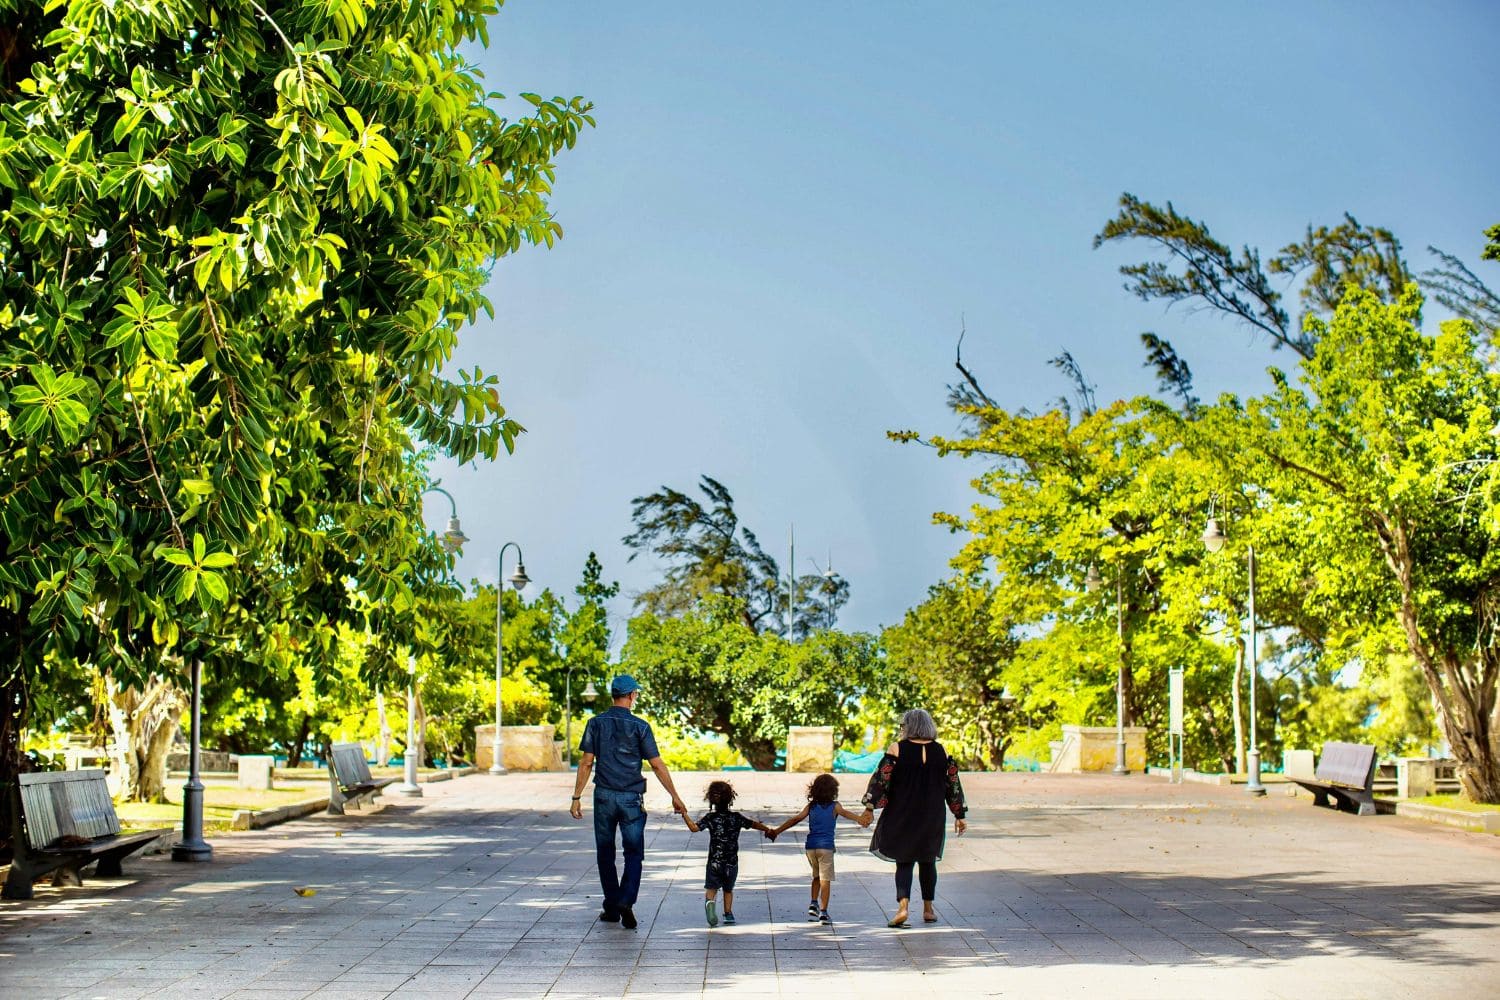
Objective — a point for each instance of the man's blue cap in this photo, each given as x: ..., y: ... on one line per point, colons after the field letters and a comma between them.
x: 622, y: 685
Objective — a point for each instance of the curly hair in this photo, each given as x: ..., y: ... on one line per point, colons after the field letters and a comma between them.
x: 720, y: 794
x: 824, y: 789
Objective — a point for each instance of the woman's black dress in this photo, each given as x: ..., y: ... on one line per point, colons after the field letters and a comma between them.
x: 912, y: 788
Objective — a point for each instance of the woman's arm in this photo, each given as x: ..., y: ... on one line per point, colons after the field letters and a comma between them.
x: 877, y: 792
x: 954, y: 792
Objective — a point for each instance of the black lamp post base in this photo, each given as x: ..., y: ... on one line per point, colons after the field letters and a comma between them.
x: 191, y: 852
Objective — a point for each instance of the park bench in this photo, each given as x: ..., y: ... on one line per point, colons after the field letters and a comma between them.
x: 349, y: 780
x: 1346, y: 774
x: 64, y: 820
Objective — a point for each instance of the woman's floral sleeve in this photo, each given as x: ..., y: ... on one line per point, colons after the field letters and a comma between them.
x: 955, y: 792
x: 877, y: 793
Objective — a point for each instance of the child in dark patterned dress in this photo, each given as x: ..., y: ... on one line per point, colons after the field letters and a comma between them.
x: 723, y: 826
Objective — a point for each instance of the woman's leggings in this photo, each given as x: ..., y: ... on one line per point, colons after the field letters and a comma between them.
x: 926, y: 877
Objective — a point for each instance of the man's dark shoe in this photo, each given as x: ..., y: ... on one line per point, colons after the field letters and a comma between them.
x: 609, y: 917
x: 627, y: 918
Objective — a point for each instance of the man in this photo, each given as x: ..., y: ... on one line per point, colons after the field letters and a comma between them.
x: 620, y: 742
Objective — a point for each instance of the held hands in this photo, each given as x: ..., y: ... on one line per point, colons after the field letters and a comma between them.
x: 678, y: 806
x: 867, y: 817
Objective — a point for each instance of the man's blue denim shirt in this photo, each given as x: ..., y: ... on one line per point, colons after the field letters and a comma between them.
x: 619, y: 742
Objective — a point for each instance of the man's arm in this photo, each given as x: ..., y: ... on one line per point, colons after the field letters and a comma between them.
x: 585, y: 768
x: 659, y: 768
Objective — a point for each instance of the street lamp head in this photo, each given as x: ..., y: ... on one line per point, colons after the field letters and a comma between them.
x: 591, y: 692
x: 1092, y: 581
x: 454, y: 536
x: 519, y: 579
x: 1006, y: 697
x: 1213, y: 536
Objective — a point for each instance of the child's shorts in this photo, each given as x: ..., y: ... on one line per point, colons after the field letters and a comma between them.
x: 821, y: 860
x: 717, y: 877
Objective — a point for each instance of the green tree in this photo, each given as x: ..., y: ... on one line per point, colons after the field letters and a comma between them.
x: 706, y: 670
x: 240, y: 244
x: 585, y: 635
x: 1373, y: 437
x: 957, y: 653
x: 706, y: 551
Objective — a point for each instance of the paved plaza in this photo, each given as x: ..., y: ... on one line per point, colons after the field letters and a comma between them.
x: 1064, y: 886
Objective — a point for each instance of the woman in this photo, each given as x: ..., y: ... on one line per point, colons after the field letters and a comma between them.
x: 914, y: 781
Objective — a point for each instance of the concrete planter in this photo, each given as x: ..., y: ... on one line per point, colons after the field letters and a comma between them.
x: 526, y: 748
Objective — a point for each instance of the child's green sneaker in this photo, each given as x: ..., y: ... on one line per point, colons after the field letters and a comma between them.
x: 729, y: 918
x: 709, y: 912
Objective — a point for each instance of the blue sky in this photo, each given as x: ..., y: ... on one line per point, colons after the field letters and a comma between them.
x: 786, y: 208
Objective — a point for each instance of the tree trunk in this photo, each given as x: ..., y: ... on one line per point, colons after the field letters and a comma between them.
x: 383, y: 743
x: 143, y: 724
x: 13, y: 710
x: 1467, y: 689
x: 299, y: 744
x: 759, y: 754
x: 1239, y: 721
x: 421, y: 727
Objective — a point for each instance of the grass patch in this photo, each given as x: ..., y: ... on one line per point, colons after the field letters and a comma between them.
x: 1457, y: 802
x: 220, y: 803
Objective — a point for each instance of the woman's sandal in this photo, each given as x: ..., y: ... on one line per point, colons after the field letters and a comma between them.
x: 929, y: 918
x: 899, y: 920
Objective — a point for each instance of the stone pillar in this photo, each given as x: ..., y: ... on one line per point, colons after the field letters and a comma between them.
x: 1094, y: 747
x: 1298, y: 764
x: 1416, y: 777
x: 809, y: 748
x: 255, y: 772
x: 526, y: 748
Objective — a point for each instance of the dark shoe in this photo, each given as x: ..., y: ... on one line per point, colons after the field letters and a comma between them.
x: 609, y: 917
x: 824, y: 918
x: 812, y: 911
x: 627, y: 918
x: 729, y: 918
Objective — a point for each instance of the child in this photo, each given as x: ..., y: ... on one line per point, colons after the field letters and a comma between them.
x: 821, y: 812
x: 723, y: 828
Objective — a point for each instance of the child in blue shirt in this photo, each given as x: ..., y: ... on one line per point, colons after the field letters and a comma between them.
x: 723, y: 826
x: 821, y: 812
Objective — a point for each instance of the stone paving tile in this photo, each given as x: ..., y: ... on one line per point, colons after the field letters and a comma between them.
x: 1065, y: 886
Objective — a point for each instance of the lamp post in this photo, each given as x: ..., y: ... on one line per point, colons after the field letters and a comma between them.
x: 1092, y: 582
x: 589, y: 692
x: 409, y: 786
x: 192, y: 846
x: 453, y: 538
x: 518, y: 580
x: 1213, y: 541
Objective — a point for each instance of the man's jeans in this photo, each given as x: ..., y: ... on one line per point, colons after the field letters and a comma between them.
x: 627, y: 811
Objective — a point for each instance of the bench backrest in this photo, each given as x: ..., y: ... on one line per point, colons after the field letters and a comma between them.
x: 66, y: 804
x: 349, y: 765
x: 1351, y: 764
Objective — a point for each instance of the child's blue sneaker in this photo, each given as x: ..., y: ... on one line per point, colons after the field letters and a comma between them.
x: 729, y: 918
x: 709, y: 912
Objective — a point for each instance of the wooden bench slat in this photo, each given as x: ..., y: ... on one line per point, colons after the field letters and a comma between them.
x: 75, y: 805
x: 349, y: 777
